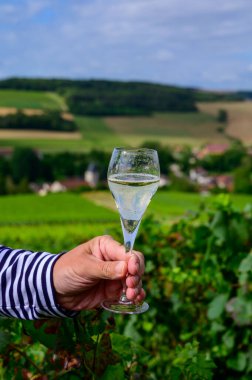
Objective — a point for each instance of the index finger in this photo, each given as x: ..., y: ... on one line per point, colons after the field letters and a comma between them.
x: 106, y: 248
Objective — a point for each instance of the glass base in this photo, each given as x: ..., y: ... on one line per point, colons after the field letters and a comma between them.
x: 119, y: 307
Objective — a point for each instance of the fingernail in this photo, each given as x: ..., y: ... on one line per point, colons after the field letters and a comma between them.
x: 119, y: 268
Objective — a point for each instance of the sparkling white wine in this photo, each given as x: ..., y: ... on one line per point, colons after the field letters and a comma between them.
x: 132, y: 193
x: 133, y: 178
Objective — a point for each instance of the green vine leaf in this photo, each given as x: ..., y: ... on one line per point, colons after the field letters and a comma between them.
x: 115, y: 372
x: 217, y: 306
x: 5, y: 339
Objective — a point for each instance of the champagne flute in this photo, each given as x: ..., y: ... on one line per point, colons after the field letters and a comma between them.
x: 133, y: 178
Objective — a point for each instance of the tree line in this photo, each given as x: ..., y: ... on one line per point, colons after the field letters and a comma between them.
x: 51, y: 121
x: 129, y: 99
x: 91, y: 96
x: 26, y: 166
x: 103, y: 97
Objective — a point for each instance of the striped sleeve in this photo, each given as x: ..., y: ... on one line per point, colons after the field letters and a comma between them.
x: 26, y: 285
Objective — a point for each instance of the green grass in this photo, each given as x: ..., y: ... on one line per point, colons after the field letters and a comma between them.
x: 54, y: 223
x: 172, y: 205
x: 54, y: 208
x: 96, y: 133
x: 59, y: 222
x: 168, y: 206
x: 52, y: 237
x: 97, y: 207
x: 31, y: 99
x: 51, y: 145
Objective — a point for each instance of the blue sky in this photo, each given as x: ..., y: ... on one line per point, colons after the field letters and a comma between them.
x: 196, y: 43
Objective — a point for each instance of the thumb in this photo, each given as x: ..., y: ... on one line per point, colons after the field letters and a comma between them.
x: 112, y: 270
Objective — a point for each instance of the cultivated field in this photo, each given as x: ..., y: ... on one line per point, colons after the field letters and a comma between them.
x: 167, y: 205
x: 28, y: 134
x: 58, y: 222
x: 106, y: 133
x: 54, y: 208
x: 32, y: 99
x: 239, y: 117
x: 192, y: 129
x: 53, y: 238
x: 54, y: 223
x: 27, y: 111
x: 168, y: 128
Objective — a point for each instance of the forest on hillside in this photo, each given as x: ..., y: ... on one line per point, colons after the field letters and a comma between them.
x: 107, y: 97
x: 103, y: 97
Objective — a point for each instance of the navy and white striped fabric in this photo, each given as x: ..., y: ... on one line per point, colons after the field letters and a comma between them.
x: 26, y: 285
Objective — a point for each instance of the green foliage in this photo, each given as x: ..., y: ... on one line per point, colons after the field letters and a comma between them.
x: 222, y: 116
x: 243, y: 178
x: 24, y: 164
x: 128, y: 99
x: 209, y: 96
x: 49, y: 121
x: 4, y: 171
x: 165, y: 154
x: 190, y: 364
x: 198, y: 280
x: 184, y: 157
x: 229, y: 161
x: 182, y: 184
x: 197, y: 289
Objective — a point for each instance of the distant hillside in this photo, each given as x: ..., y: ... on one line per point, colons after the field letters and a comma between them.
x: 23, y: 99
x: 108, y: 98
x: 219, y: 96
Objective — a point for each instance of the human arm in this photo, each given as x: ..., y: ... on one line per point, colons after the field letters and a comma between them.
x: 26, y: 285
x: 36, y: 285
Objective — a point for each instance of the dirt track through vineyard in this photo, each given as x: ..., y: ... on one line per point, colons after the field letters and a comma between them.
x: 27, y: 111
x: 27, y: 134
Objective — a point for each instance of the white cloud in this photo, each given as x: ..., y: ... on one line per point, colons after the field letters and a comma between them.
x: 33, y: 7
x: 187, y: 42
x: 23, y: 10
x: 8, y: 13
x: 7, y: 9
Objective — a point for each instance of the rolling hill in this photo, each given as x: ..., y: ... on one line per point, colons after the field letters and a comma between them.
x: 105, y: 132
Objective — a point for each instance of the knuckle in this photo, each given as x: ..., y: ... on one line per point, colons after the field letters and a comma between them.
x: 140, y: 256
x: 106, y: 269
x: 105, y: 239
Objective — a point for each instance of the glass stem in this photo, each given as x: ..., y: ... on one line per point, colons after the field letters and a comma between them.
x: 123, y: 297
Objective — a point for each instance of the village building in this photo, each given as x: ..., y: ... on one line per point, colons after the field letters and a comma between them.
x: 92, y: 175
x: 211, y: 149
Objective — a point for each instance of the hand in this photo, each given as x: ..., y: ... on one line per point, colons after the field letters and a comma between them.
x: 93, y: 272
